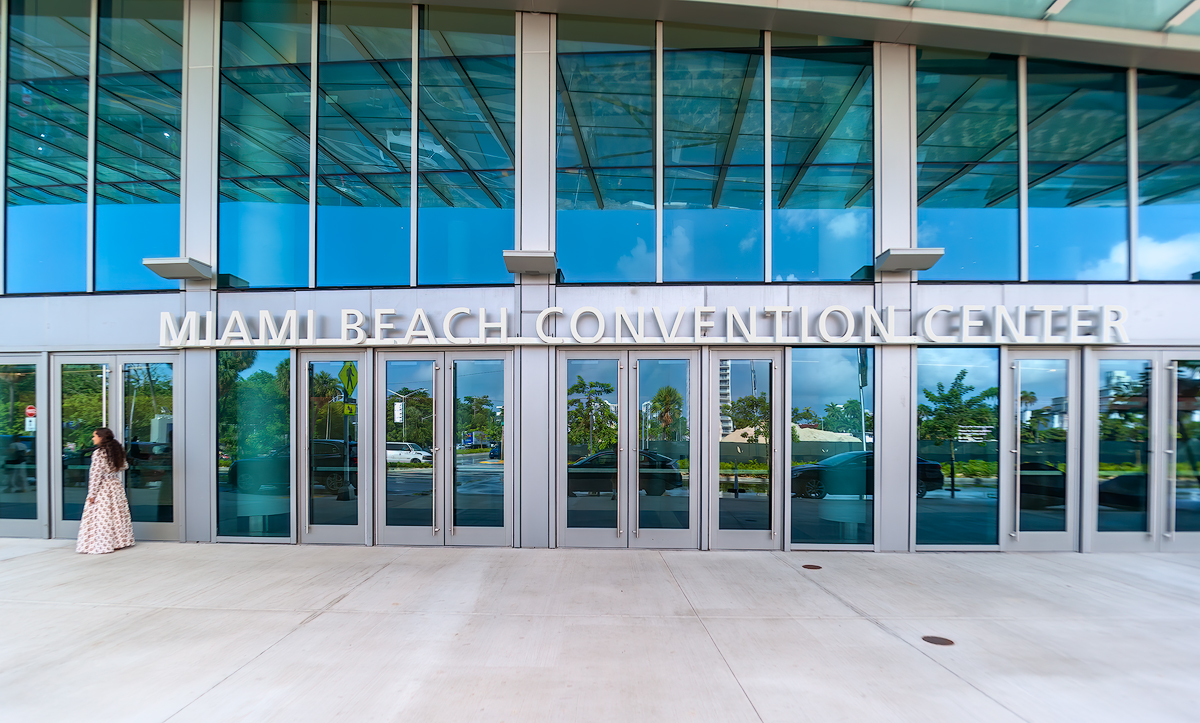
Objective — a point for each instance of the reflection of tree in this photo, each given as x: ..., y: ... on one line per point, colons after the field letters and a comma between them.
x: 253, y: 412
x: 478, y: 414
x: 1187, y: 427
x: 323, y: 389
x: 1123, y: 410
x: 953, y: 409
x: 590, y: 421
x: 751, y: 411
x: 846, y: 418
x: 665, y: 419
x: 417, y: 425
x: 17, y: 390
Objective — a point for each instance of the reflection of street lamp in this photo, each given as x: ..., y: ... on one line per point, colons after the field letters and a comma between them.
x: 646, y: 405
x: 404, y: 408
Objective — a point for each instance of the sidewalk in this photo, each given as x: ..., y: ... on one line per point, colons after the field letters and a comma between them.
x: 286, y: 633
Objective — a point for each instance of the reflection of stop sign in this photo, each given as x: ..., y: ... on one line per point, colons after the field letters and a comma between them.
x: 31, y: 411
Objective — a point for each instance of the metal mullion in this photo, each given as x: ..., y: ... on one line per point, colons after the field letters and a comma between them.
x: 313, y: 98
x: 658, y: 151
x: 518, y: 166
x: 1131, y: 167
x: 1022, y: 169
x: 183, y: 114
x: 768, y: 205
x: 93, y: 76
x: 414, y: 157
x: 4, y: 146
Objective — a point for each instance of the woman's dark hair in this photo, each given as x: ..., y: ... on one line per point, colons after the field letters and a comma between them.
x: 111, y: 447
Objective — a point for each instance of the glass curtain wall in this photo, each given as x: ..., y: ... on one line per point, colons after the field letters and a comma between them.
x: 957, y: 455
x: 967, y: 161
x: 254, y: 456
x: 49, y: 51
x: 1042, y: 403
x: 1168, y: 247
x: 1078, y: 221
x: 465, y: 149
x: 264, y: 143
x: 364, y: 144
x: 593, y: 424
x: 605, y: 150
x: 664, y: 444
x: 822, y: 154
x: 139, y: 103
x: 85, y: 394
x: 713, y: 135
x: 409, y: 425
x: 18, y: 443
x: 832, y: 488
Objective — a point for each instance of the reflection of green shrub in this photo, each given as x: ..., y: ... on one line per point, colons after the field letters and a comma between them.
x: 972, y: 468
x: 409, y: 465
x: 745, y: 466
x: 1121, y: 467
x: 685, y: 464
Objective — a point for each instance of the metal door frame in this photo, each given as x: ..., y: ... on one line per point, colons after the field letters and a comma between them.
x: 1012, y: 538
x: 774, y: 538
x: 40, y: 525
x: 334, y: 534
x: 1171, y: 540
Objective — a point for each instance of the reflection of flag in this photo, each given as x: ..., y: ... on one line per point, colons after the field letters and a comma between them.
x: 862, y: 367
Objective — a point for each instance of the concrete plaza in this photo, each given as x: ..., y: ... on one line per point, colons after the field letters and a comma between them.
x: 199, y: 632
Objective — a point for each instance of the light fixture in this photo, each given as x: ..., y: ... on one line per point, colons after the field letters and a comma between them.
x: 907, y: 259
x: 533, y: 263
x: 180, y: 267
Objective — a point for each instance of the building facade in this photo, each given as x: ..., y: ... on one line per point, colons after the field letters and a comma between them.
x: 837, y: 275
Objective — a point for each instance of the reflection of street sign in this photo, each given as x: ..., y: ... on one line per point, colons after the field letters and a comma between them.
x: 349, y: 377
x: 31, y: 411
x: 30, y: 424
x: 398, y: 413
x: 350, y: 410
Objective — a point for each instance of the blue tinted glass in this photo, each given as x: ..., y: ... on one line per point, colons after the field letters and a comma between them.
x: 138, y: 139
x: 364, y: 137
x: 822, y: 148
x: 605, y: 142
x: 264, y: 143
x: 713, y: 154
x: 957, y: 458
x: 1078, y: 220
x: 833, y: 448
x: 254, y: 458
x: 1168, y: 246
x: 465, y: 158
x: 46, y: 236
x: 967, y: 163
x: 479, y: 415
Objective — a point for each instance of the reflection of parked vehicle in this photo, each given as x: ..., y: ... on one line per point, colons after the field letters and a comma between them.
x: 405, y: 452
x: 254, y: 473
x: 853, y: 473
x: 331, y: 467
x: 1126, y: 492
x: 76, y: 463
x: 597, y: 474
x: 495, y: 452
x: 1042, y: 485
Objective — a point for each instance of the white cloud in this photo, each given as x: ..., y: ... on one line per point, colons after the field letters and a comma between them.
x: 846, y: 225
x: 677, y: 254
x: 634, y: 263
x: 1176, y: 259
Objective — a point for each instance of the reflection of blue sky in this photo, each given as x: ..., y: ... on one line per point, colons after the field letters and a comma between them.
x: 478, y: 378
x: 409, y: 375
x: 935, y: 364
x: 367, y: 246
x: 654, y: 374
x: 464, y: 245
x: 45, y: 248
x: 264, y: 244
x: 1077, y: 243
x: 611, y: 245
x: 822, y: 376
x: 820, y: 244
x: 719, y: 244
x: 749, y: 377
x: 1168, y: 246
x: 1047, y: 379
x: 265, y: 361
x: 126, y: 233
x: 981, y: 243
x: 595, y: 370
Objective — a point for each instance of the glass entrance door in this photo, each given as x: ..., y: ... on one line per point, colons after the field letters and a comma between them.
x: 1182, y: 453
x: 1040, y: 480
x: 745, y: 416
x: 23, y: 508
x: 628, y: 449
x: 135, y: 397
x: 441, y: 449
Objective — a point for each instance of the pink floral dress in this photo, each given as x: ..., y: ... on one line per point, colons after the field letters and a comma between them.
x: 105, y: 525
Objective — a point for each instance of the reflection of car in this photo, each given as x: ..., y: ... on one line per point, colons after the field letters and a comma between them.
x: 597, y: 474
x: 495, y: 452
x: 76, y: 463
x: 1042, y: 485
x: 269, y: 470
x: 331, y: 466
x: 404, y: 452
x: 853, y: 473
x: 1126, y: 492
x: 148, y: 462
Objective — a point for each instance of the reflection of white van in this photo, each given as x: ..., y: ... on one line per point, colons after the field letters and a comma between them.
x: 407, y: 452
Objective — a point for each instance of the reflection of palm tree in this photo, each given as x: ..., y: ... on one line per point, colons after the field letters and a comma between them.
x: 666, y: 407
x: 1028, y: 399
x: 322, y: 388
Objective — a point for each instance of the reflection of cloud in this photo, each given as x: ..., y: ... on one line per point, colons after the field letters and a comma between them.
x: 748, y: 242
x: 1176, y: 259
x: 633, y: 265
x: 677, y: 254
x: 927, y: 233
x: 846, y: 225
x: 942, y: 364
x: 823, y: 375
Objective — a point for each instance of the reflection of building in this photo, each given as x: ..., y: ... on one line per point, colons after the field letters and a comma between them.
x: 724, y: 394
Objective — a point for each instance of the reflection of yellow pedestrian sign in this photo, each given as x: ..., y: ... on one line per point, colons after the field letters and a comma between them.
x: 349, y: 377
x: 350, y: 410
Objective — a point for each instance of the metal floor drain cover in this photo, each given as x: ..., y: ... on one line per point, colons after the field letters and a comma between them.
x: 937, y: 641
x: 811, y: 567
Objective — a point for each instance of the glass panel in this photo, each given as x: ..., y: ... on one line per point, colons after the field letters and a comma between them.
x: 1042, y: 404
x: 605, y: 146
x: 263, y: 142
x: 18, y: 442
x: 822, y: 150
x: 150, y: 441
x: 1142, y: 15
x: 593, y: 475
x: 254, y: 455
x: 957, y: 458
x: 1078, y: 225
x: 967, y: 163
x: 664, y: 443
x: 1187, y: 446
x: 466, y: 137
x: 139, y: 101
x: 744, y: 472
x: 713, y: 154
x: 85, y: 390
x: 1168, y: 177
x: 332, y: 443
x: 833, y: 446
x: 46, y: 238
x: 364, y: 134
x: 1124, y: 445
x: 408, y: 425
x: 479, y: 424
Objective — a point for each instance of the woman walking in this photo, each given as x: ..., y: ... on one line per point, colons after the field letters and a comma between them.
x: 105, y: 525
